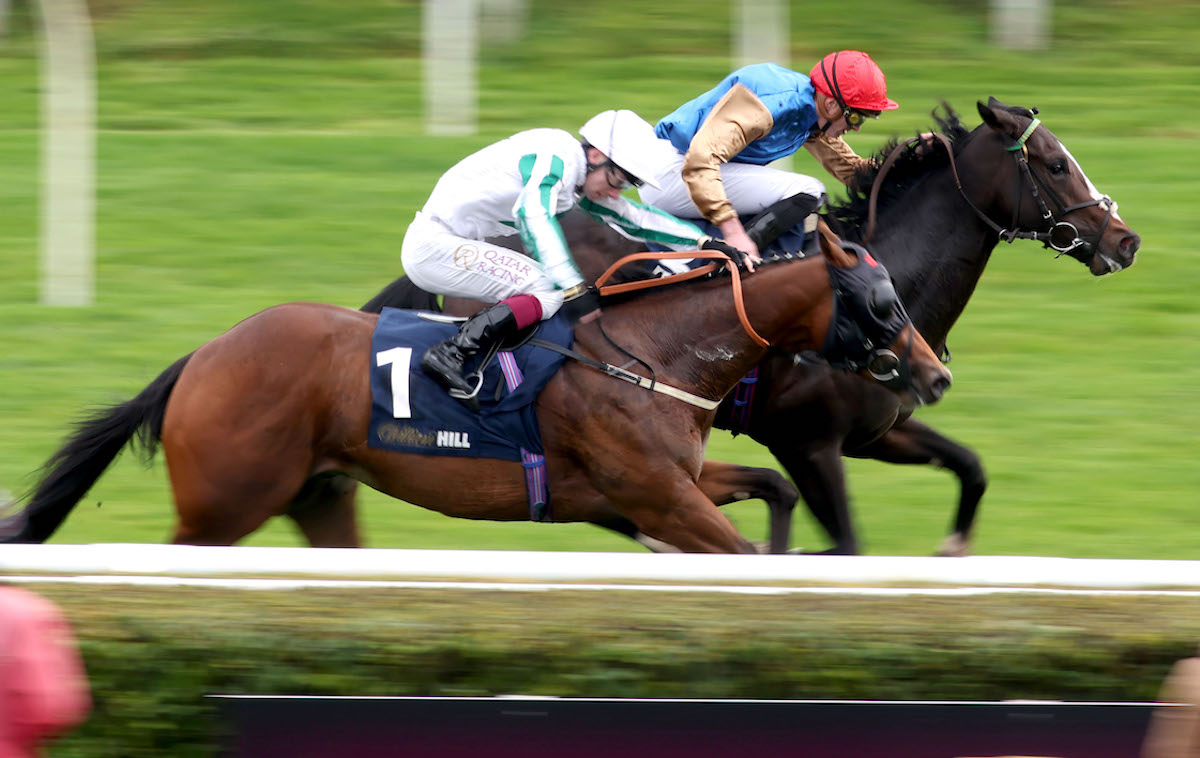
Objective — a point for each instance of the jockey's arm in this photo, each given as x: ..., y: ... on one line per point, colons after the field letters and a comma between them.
x: 535, y: 214
x: 644, y: 222
x: 836, y: 157
x: 734, y: 122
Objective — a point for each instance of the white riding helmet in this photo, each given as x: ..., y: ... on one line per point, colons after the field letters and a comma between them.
x: 629, y: 142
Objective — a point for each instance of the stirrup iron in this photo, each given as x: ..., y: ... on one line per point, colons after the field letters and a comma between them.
x: 471, y: 397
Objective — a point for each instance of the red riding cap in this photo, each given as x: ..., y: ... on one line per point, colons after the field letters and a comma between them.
x: 858, y: 82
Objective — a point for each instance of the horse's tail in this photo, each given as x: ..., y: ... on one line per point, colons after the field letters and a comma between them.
x: 97, y: 441
x: 402, y: 293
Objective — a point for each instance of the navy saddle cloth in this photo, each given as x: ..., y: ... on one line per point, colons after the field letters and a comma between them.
x: 411, y: 413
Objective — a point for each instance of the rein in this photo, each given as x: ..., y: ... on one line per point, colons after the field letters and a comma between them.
x: 613, y: 289
x: 738, y: 302
x: 1021, y: 154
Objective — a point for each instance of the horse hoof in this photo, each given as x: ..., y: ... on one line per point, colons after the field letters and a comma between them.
x: 954, y: 546
x: 655, y: 546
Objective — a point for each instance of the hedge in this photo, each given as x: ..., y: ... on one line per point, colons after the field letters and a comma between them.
x: 152, y: 654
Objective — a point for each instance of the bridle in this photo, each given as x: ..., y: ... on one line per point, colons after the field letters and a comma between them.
x: 1062, y: 236
x: 864, y: 294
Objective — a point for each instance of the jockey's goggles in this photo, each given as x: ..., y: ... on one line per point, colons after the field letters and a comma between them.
x: 856, y: 118
x: 617, y: 177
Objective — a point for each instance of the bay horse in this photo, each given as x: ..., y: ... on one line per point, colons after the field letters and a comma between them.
x: 254, y: 423
x: 939, y: 217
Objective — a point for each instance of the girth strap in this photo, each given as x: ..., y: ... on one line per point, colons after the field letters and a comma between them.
x: 628, y: 376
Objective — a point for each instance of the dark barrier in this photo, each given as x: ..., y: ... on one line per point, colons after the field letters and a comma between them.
x: 307, y: 727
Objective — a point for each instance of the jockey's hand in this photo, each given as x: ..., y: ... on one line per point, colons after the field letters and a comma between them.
x: 735, y: 234
x: 581, y: 303
x: 927, y: 142
x: 740, y: 257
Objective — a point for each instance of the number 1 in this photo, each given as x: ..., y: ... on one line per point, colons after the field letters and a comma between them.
x: 399, y: 358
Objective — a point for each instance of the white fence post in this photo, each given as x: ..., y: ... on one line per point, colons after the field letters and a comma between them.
x: 761, y: 32
x: 1021, y: 24
x: 68, y: 154
x: 450, y: 50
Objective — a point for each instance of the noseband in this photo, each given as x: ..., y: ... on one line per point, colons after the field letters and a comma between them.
x: 1063, y: 236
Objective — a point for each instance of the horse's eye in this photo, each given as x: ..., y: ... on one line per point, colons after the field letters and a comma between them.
x: 1058, y: 167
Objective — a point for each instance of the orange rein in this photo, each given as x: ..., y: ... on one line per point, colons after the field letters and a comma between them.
x: 641, y: 284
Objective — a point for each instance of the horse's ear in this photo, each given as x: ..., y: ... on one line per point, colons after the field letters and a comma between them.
x: 831, y: 247
x: 997, y: 115
x: 987, y: 112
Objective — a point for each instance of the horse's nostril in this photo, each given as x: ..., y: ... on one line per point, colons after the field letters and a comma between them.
x: 940, y: 385
x: 1131, y: 244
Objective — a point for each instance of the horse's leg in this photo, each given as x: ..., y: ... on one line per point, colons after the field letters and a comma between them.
x: 821, y: 478
x: 627, y: 528
x: 691, y: 523
x: 725, y: 483
x: 235, y: 460
x: 202, y: 525
x: 913, y: 442
x: 326, y: 512
x: 229, y: 504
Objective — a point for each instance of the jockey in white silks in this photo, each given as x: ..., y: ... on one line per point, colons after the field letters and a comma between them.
x: 521, y: 185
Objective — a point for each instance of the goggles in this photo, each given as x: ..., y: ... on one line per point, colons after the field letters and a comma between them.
x: 856, y: 118
x: 619, y: 178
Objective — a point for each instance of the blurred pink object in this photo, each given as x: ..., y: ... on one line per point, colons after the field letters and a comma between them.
x: 43, y: 686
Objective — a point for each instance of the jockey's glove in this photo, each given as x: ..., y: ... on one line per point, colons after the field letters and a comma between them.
x: 579, y: 301
x: 711, y: 243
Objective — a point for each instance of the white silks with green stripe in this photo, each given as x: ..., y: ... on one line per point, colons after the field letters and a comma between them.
x: 519, y: 185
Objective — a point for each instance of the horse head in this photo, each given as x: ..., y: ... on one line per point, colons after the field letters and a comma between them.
x: 1054, y: 201
x: 870, y: 331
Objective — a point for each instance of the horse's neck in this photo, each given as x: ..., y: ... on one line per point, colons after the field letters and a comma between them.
x: 691, y: 333
x: 936, y: 248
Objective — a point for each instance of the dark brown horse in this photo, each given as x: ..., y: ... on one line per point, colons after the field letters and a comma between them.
x: 938, y: 222
x: 261, y: 420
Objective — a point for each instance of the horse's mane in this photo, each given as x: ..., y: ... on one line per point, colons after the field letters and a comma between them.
x: 910, y: 167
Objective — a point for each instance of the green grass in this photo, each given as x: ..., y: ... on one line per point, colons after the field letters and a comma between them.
x: 250, y: 155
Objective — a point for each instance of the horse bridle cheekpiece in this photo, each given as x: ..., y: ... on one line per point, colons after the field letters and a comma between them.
x: 865, y: 295
x: 1063, y: 236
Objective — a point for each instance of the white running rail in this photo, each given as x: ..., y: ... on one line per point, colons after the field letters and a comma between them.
x: 482, y: 565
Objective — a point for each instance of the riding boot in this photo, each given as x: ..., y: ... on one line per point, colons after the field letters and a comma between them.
x: 780, y: 217
x: 483, y: 332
